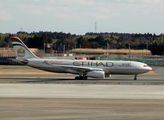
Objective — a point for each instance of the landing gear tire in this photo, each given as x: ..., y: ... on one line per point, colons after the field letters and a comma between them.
x: 85, y: 78
x: 77, y: 78
x: 81, y: 78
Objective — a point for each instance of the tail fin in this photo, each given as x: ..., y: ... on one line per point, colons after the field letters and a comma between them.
x: 21, y: 50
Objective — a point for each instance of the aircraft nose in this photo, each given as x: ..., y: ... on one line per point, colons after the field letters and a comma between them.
x: 149, y: 68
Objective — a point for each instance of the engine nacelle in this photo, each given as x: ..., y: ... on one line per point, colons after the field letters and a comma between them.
x: 96, y: 74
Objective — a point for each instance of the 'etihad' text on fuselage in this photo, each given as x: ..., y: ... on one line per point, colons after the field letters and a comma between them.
x: 83, y: 63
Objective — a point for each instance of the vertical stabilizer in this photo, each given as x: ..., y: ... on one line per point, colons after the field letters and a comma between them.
x: 21, y: 50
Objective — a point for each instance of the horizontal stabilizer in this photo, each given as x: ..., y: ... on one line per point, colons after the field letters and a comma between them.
x: 19, y: 61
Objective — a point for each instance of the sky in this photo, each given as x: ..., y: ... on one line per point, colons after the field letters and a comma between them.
x: 82, y: 16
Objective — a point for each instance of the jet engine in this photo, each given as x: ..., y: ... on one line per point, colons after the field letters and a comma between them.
x: 96, y: 74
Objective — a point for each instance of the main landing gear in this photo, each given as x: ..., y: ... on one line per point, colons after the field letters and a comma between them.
x: 135, y: 77
x: 81, y: 78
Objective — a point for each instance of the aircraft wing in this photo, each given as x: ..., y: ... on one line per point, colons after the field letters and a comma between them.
x: 80, y: 68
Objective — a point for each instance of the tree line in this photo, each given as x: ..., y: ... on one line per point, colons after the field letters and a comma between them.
x: 67, y: 41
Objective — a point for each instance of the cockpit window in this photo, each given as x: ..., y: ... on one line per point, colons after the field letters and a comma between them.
x: 145, y: 66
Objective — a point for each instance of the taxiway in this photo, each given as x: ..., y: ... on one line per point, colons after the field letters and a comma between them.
x: 26, y: 93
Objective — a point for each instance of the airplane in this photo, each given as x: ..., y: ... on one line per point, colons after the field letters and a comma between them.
x: 82, y: 68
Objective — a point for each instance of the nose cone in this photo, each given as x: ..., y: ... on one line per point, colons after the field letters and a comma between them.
x: 146, y: 68
x: 149, y: 69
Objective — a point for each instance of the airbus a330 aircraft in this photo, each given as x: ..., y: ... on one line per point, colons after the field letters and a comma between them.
x: 83, y: 68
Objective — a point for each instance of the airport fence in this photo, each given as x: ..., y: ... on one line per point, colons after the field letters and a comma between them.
x: 149, y: 62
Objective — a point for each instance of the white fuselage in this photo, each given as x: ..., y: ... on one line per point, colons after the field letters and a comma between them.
x: 109, y: 67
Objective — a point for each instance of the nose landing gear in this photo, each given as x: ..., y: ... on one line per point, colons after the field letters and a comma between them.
x: 135, y: 77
